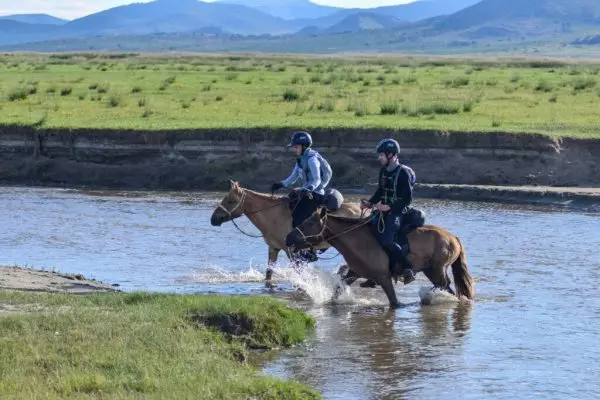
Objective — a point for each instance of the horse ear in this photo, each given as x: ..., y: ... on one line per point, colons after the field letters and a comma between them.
x: 323, y: 212
x: 231, y: 184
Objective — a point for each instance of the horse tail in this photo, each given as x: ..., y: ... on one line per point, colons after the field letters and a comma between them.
x: 462, y: 279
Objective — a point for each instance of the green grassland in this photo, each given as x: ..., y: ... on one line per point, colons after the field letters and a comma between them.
x: 143, y: 346
x: 187, y: 92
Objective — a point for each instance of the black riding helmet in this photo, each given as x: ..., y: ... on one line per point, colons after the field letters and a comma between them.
x: 301, y: 138
x: 388, y: 146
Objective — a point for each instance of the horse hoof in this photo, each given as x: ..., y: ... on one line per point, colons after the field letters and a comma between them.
x: 269, y: 274
x: 394, y: 306
x: 269, y: 284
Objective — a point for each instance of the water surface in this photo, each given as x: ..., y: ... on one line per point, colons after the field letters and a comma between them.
x: 531, y: 333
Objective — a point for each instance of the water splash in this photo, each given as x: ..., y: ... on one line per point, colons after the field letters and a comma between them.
x: 433, y: 296
x: 216, y: 274
x: 320, y: 286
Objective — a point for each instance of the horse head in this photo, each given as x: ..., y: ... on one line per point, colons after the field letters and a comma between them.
x: 309, y: 233
x: 231, y: 207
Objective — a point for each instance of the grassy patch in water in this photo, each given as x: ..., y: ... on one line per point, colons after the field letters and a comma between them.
x: 144, y: 346
x: 290, y: 92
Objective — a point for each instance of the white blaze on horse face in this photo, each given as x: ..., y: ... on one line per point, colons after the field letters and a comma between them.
x: 232, y: 204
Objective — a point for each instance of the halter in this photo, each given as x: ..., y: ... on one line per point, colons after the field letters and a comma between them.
x: 320, y: 234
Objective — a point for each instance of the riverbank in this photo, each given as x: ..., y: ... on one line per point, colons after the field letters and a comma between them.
x: 126, y: 345
x: 582, y: 199
x: 205, y: 159
x: 31, y: 280
x: 522, y: 169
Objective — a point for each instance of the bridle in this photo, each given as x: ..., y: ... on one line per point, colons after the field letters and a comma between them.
x: 241, y: 203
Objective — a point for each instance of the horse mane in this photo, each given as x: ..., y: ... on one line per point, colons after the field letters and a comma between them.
x: 237, y: 188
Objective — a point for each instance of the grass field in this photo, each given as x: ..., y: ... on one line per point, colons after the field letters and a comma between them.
x: 143, y: 346
x: 160, y: 92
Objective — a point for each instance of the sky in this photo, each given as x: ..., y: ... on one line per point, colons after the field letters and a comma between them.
x: 71, y: 9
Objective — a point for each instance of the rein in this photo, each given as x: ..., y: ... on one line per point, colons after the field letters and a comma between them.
x: 241, y: 203
x: 327, y: 239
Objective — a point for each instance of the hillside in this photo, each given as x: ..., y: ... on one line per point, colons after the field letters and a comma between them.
x: 412, y: 12
x: 532, y: 17
x: 178, y: 16
x: 288, y: 9
x: 43, y: 19
x: 363, y: 21
x: 15, y: 32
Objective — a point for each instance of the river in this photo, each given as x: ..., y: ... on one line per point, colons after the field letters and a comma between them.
x: 532, y: 331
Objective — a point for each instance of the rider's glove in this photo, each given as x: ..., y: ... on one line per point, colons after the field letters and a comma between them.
x: 276, y: 186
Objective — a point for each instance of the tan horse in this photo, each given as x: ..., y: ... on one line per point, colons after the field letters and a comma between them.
x: 270, y: 214
x: 432, y: 250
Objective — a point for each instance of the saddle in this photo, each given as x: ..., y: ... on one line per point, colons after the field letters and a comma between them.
x: 413, y: 219
x: 332, y: 199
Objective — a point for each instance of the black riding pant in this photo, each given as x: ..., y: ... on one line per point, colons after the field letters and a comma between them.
x: 305, y: 208
x: 387, y: 238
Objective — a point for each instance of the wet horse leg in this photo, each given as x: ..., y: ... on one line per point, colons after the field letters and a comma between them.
x: 438, y: 275
x: 273, y: 254
x: 347, y: 275
x: 388, y: 287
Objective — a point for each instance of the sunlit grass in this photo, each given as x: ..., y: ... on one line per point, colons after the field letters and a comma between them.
x: 249, y: 92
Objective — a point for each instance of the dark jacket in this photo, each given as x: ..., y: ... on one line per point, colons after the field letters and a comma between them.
x: 395, y: 188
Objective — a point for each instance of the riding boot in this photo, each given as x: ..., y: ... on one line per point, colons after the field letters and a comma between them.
x: 407, y: 272
x: 369, y: 283
x: 397, y: 256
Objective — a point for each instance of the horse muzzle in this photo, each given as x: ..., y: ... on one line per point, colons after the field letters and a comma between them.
x: 292, y: 240
x: 216, y: 221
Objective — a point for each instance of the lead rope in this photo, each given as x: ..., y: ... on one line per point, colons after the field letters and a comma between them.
x: 381, y: 223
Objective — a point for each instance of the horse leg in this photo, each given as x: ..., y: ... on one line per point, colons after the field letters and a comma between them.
x: 347, y: 275
x: 438, y: 275
x: 273, y: 254
x: 388, y: 287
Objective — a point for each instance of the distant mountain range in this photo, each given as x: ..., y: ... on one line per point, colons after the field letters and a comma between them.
x: 288, y: 9
x: 43, y: 19
x: 361, y: 21
x: 274, y: 17
x: 190, y: 25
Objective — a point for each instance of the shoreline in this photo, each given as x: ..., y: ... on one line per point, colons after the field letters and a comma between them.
x: 585, y: 199
x: 570, y: 198
x: 19, y: 279
x: 200, y: 343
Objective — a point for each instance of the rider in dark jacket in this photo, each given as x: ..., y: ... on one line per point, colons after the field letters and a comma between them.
x: 391, y: 201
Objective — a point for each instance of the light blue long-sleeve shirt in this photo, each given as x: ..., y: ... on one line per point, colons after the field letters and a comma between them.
x: 312, y: 170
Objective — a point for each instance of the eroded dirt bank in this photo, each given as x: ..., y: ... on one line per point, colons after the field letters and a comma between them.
x: 30, y: 280
x: 207, y: 159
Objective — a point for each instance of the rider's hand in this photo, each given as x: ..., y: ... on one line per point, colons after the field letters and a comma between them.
x: 383, y: 207
x: 307, y: 193
x: 365, y: 205
x: 276, y: 186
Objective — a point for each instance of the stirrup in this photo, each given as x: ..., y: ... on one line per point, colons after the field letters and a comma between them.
x: 408, y: 276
